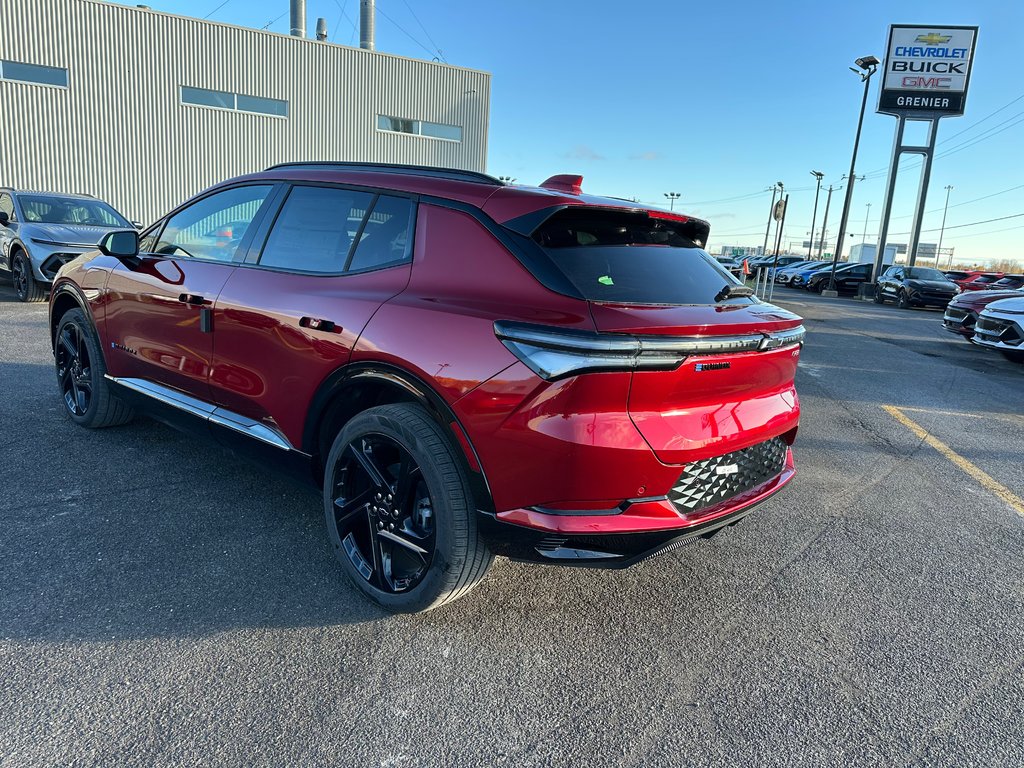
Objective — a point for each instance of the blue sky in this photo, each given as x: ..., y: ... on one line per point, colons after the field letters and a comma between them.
x: 714, y: 100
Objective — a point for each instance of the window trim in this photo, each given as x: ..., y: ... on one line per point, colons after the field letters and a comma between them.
x: 234, y: 96
x: 259, y: 243
x: 67, y: 75
x: 419, y: 135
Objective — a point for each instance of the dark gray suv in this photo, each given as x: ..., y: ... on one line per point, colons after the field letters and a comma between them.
x: 42, y: 231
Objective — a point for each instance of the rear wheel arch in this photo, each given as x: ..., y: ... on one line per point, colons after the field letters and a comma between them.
x: 353, y: 389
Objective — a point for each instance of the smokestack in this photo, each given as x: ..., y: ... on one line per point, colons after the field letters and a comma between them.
x: 298, y: 18
x: 367, y: 20
x: 321, y: 29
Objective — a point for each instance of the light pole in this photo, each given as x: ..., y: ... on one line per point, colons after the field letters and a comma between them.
x: 864, y: 237
x: 938, y: 251
x: 814, y: 216
x: 672, y: 197
x: 824, y: 222
x: 771, y: 212
x: 867, y: 65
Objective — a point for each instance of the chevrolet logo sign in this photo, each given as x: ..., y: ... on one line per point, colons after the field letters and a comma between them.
x: 933, y: 38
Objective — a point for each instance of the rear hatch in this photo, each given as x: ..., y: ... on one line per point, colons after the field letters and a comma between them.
x: 643, y: 274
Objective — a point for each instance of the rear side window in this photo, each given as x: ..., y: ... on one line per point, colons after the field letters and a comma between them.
x: 387, y: 235
x: 632, y: 258
x: 315, y: 229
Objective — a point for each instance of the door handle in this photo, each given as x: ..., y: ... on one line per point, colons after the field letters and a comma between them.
x: 193, y: 299
x: 319, y: 324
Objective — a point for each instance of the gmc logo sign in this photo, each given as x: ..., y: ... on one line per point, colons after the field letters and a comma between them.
x: 926, y: 82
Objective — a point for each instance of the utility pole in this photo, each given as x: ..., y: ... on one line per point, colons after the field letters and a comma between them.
x: 672, y: 197
x: 771, y: 211
x: 942, y: 231
x: 864, y: 237
x: 814, y: 216
x: 824, y: 222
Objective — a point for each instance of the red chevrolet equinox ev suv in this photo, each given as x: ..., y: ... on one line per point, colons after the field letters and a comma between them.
x: 468, y: 368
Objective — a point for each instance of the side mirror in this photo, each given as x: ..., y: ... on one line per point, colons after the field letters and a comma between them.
x: 4, y: 219
x: 121, y: 245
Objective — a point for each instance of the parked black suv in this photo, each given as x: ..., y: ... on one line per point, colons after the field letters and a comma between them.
x: 848, y: 278
x: 915, y: 287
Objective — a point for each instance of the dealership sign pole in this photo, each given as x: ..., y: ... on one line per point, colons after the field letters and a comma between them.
x: 927, y: 71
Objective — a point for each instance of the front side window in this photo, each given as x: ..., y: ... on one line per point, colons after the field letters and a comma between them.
x: 633, y: 258
x: 315, y: 229
x: 33, y: 73
x: 213, y: 228
x: 54, y: 209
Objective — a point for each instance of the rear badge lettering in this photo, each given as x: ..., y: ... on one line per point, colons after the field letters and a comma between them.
x: 711, y: 366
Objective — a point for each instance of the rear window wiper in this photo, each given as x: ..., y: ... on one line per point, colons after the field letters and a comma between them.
x: 733, y: 292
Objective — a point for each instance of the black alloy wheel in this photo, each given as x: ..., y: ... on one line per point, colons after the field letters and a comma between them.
x: 902, y: 301
x: 26, y: 287
x: 383, y: 513
x: 399, y: 511
x: 81, y: 371
x: 74, y: 369
x: 879, y: 298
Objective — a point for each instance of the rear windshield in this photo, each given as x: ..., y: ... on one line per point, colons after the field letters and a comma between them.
x: 627, y: 257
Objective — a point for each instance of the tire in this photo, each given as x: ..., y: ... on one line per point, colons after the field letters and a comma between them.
x: 26, y: 287
x: 1013, y: 357
x: 878, y: 298
x: 84, y: 391
x: 393, y: 485
x: 902, y: 301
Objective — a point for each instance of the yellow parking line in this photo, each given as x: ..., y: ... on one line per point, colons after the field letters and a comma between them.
x: 985, y: 479
x: 1011, y: 417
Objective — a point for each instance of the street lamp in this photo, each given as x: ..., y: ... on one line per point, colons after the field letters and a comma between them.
x: 776, y: 187
x: 868, y: 65
x: 938, y: 251
x: 672, y: 197
x: 814, y: 217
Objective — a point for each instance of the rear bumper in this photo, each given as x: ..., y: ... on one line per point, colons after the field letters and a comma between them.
x: 621, y: 537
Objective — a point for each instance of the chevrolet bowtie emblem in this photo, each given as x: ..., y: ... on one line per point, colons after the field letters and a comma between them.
x: 933, y: 38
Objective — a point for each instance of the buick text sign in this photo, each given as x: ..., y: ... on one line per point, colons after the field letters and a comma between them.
x: 927, y: 70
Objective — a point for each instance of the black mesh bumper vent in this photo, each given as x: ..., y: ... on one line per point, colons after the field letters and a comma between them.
x: 710, y: 481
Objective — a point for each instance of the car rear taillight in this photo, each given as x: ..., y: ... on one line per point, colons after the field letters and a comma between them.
x: 555, y: 353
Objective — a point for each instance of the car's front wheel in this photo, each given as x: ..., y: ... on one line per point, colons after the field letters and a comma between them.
x: 81, y: 380
x: 399, y: 510
x: 879, y: 296
x: 26, y: 287
x: 902, y: 300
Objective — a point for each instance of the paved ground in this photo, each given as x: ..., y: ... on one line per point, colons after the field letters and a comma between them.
x: 163, y: 603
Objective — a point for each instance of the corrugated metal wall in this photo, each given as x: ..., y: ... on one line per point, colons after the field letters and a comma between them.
x: 120, y: 132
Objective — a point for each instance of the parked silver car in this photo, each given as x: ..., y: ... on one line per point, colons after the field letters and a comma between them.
x: 42, y: 231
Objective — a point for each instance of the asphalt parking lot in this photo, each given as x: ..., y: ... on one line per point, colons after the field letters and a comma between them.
x: 164, y: 603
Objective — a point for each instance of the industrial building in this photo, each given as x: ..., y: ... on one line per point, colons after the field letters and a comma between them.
x: 144, y: 109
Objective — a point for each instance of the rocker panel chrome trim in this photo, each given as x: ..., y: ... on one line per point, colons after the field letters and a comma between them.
x: 206, y: 411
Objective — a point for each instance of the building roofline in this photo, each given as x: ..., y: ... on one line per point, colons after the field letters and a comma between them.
x: 136, y: 9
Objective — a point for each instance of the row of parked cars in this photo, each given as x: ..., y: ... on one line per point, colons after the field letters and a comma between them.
x: 986, y: 308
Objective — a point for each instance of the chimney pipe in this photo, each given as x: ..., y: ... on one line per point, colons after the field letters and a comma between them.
x: 367, y: 22
x: 321, y: 29
x: 298, y: 18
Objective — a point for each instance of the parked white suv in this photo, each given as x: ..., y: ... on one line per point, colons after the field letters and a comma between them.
x: 1000, y: 326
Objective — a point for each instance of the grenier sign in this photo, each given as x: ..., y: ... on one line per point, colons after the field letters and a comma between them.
x: 927, y: 71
